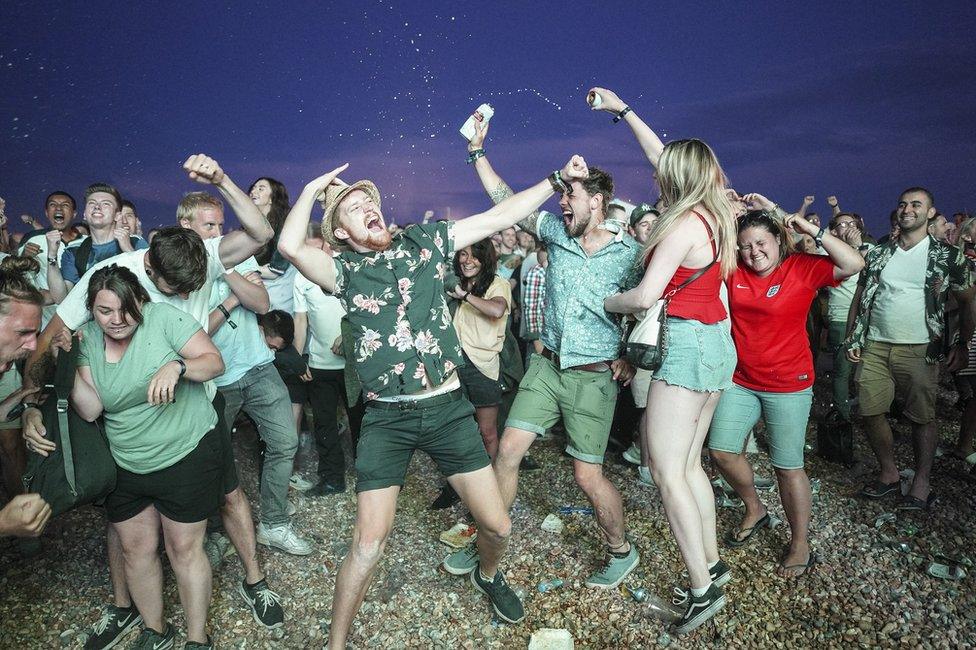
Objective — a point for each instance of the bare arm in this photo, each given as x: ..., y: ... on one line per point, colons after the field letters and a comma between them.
x: 250, y: 291
x: 84, y: 397
x: 216, y: 318
x: 847, y: 260
x: 834, y: 205
x: 807, y: 202
x: 314, y: 263
x: 511, y: 210
x: 646, y: 137
x: 301, y: 330
x: 238, y: 245
x: 202, y: 359
x: 493, y: 308
x: 54, y: 328
x: 667, y: 257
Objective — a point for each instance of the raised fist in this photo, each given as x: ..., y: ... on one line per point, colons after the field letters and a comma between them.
x: 832, y: 201
x: 807, y: 200
x: 53, y: 238
x: 609, y: 101
x: 575, y: 170
x: 204, y: 169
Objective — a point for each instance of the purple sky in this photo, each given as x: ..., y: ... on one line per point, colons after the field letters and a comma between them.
x: 855, y: 99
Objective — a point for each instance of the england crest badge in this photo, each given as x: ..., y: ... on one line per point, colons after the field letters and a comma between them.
x: 773, y: 290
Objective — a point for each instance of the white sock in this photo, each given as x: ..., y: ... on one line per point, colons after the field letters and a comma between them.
x: 484, y: 577
x: 698, y: 593
x: 712, y: 565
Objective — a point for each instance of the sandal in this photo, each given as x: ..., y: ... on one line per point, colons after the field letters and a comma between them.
x: 908, y: 502
x: 879, y: 490
x: 811, y: 560
x: 733, y: 538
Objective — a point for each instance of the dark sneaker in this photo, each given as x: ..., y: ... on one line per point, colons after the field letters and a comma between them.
x: 150, y: 639
x: 527, y: 464
x: 324, y: 488
x: 447, y: 498
x: 720, y: 574
x: 112, y: 627
x: 193, y: 645
x: 265, y: 604
x: 461, y: 563
x: 507, y: 604
x: 700, y: 609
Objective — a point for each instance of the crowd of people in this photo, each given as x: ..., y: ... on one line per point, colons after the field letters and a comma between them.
x: 469, y: 340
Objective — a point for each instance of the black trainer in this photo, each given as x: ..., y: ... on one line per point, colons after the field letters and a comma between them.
x: 323, y: 489
x: 193, y: 645
x: 700, y: 609
x: 265, y: 604
x: 150, y: 639
x: 506, y: 602
x: 112, y: 627
x: 720, y: 575
x: 447, y: 498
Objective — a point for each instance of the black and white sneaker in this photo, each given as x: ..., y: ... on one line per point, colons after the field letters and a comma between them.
x: 265, y: 604
x: 112, y: 627
x: 699, y: 609
x: 720, y: 575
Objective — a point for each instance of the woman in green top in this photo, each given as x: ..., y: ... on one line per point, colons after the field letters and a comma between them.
x: 142, y: 365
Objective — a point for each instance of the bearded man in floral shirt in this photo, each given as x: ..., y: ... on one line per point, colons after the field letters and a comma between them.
x: 405, y: 352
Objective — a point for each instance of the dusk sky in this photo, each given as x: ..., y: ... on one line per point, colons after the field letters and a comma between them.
x: 855, y: 99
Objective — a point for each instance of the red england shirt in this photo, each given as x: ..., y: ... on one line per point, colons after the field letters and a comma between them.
x: 769, y: 318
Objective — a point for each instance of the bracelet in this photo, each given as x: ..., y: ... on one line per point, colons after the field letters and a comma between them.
x: 819, y: 238
x: 464, y: 298
x: 182, y: 366
x: 223, y: 310
x: 53, y: 261
x: 621, y: 114
x: 474, y: 155
x: 558, y: 186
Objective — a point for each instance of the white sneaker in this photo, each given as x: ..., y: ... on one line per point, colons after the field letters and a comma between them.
x: 284, y: 538
x: 296, y: 482
x: 292, y: 509
x: 644, y: 476
x: 632, y: 454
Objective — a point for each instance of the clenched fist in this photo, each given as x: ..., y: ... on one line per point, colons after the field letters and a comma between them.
x: 204, y: 169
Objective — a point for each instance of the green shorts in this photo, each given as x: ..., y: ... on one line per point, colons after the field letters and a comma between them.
x: 443, y: 426
x: 584, y: 399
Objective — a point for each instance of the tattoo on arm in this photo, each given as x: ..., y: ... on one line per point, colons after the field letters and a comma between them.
x: 500, y: 193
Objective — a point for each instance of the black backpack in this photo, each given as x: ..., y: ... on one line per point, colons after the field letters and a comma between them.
x: 84, y: 249
x: 81, y: 469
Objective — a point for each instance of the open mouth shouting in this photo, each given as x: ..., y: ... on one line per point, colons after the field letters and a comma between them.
x: 374, y: 223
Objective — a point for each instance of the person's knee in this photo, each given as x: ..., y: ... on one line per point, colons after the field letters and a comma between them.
x: 722, y: 459
x: 139, y: 547
x: 369, y: 543
x: 509, y: 453
x: 235, y: 502
x: 182, y: 548
x: 588, y: 478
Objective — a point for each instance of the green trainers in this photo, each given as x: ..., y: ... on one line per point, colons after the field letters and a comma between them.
x: 614, y: 570
x: 506, y: 602
x: 461, y: 563
x: 150, y: 639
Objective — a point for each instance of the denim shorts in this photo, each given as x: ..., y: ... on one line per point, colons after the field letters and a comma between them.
x: 786, y: 416
x: 698, y: 357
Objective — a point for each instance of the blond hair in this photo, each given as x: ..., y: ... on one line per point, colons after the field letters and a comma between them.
x: 187, y: 208
x: 689, y: 174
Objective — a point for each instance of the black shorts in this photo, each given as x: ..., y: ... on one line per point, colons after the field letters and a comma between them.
x: 297, y: 391
x: 187, y: 491
x: 480, y: 389
x: 230, y: 480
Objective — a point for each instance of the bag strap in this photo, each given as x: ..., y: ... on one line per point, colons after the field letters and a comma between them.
x: 64, y: 381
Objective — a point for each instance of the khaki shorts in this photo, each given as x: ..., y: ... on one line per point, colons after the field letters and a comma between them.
x: 585, y: 400
x: 9, y: 383
x: 890, y: 367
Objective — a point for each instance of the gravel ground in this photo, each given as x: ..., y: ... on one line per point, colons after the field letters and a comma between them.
x: 862, y: 592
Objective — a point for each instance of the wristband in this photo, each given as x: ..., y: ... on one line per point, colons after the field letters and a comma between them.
x: 819, y: 238
x: 474, y: 155
x: 53, y: 261
x: 223, y: 310
x: 182, y: 366
x: 464, y: 298
x: 621, y: 114
x: 559, y: 186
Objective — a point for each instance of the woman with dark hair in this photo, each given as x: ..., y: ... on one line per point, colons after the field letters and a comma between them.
x: 485, y: 300
x: 142, y: 366
x: 271, y: 198
x: 769, y: 297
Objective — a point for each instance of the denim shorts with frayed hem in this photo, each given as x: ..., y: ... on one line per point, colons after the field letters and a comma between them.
x: 698, y: 357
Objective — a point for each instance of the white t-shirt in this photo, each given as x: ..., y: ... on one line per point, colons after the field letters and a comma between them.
x: 74, y: 313
x: 40, y: 278
x: 898, y: 312
x: 324, y: 316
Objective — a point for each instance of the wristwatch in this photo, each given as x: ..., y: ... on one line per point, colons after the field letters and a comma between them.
x: 819, y: 238
x: 53, y: 261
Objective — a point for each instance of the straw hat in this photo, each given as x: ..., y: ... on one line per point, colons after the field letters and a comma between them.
x: 330, y: 204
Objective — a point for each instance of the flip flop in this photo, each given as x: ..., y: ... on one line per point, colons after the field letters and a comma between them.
x: 733, y: 540
x: 908, y: 502
x: 879, y: 490
x: 811, y: 560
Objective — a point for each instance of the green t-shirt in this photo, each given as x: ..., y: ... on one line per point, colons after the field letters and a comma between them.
x: 146, y: 438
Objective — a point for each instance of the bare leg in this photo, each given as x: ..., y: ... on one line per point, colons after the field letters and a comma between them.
x: 139, y: 536
x: 184, y: 546
x: 879, y: 435
x: 479, y: 492
x: 926, y: 439
x: 672, y: 417
x: 735, y: 468
x: 701, y: 487
x: 607, y: 504
x: 374, y: 520
x: 236, y: 515
x: 487, y: 418
x: 116, y: 567
x: 512, y: 448
x: 794, y: 491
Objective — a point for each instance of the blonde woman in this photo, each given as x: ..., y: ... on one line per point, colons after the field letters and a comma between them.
x: 696, y: 231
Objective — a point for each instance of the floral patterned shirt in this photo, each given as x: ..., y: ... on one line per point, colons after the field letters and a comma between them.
x: 403, y: 338
x: 577, y: 327
x: 946, y: 270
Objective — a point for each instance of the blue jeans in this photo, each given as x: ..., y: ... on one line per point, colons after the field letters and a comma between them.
x: 263, y: 396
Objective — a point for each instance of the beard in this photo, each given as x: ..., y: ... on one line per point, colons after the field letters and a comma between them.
x: 577, y: 226
x: 377, y: 241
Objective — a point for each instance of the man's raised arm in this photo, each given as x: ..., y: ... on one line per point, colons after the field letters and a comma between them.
x: 314, y: 263
x: 510, y: 211
x: 239, y: 245
x: 497, y: 189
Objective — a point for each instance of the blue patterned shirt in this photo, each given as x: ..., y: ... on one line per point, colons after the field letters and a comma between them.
x: 577, y: 327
